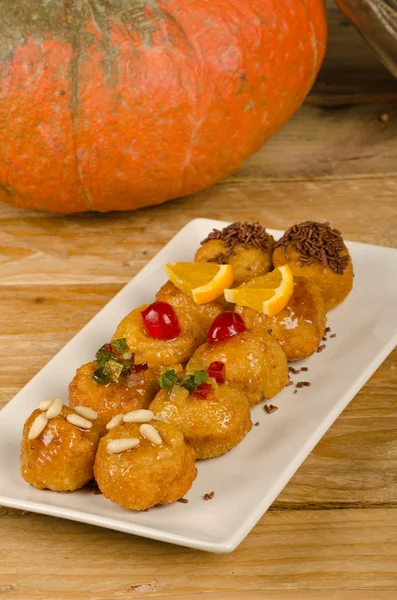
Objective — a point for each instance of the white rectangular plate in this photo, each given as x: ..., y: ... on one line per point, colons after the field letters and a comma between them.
x: 249, y: 478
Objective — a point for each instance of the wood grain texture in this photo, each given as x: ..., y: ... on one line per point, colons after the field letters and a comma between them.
x: 331, y: 534
x: 110, y: 249
x: 291, y: 550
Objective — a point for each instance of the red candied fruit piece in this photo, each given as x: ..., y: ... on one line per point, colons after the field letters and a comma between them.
x: 217, y: 370
x: 225, y: 326
x: 140, y: 367
x: 202, y: 391
x: 160, y: 321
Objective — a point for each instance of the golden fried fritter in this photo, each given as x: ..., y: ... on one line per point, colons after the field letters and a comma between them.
x: 148, y: 474
x: 299, y: 327
x: 204, y: 314
x: 317, y: 253
x: 255, y: 363
x: 62, y: 457
x: 131, y: 392
x: 247, y: 262
x: 159, y: 352
x: 212, y: 426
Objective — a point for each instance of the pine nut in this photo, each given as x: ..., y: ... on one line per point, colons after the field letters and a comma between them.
x: 55, y: 409
x: 138, y: 416
x: 121, y: 445
x: 150, y: 433
x: 156, y: 418
x: 79, y: 421
x: 38, y: 425
x: 86, y: 412
x: 45, y: 404
x: 117, y: 420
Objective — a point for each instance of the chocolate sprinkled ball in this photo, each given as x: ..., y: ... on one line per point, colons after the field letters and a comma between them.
x: 317, y: 252
x: 245, y: 246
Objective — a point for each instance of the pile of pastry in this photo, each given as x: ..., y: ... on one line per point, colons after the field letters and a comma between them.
x: 177, y: 380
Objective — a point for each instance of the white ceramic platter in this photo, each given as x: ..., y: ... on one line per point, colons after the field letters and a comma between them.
x: 249, y: 478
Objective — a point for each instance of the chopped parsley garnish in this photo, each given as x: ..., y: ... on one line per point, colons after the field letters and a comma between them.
x: 103, y: 355
x: 167, y: 379
x: 190, y: 382
x: 111, y: 362
x: 120, y: 346
x: 100, y: 377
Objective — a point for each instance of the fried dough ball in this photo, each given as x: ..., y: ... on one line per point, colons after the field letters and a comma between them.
x: 299, y: 327
x: 61, y: 458
x: 131, y: 392
x: 254, y: 363
x: 159, y: 352
x: 246, y: 246
x: 148, y: 474
x: 317, y: 253
x: 204, y: 314
x: 212, y: 426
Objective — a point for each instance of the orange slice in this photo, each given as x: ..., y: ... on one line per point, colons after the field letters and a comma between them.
x: 268, y: 293
x: 203, y: 281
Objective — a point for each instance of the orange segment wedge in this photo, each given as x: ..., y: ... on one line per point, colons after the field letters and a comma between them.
x: 203, y: 281
x: 268, y: 294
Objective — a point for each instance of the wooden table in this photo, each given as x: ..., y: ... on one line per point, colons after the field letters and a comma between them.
x: 332, y: 533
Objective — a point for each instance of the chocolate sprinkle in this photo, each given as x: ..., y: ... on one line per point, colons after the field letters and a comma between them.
x: 302, y: 384
x: 333, y: 335
x: 183, y: 500
x: 327, y: 329
x: 247, y: 234
x: 321, y: 348
x: 257, y: 424
x: 270, y: 408
x: 316, y: 242
x: 92, y: 486
x: 304, y: 368
x: 294, y: 371
x: 209, y: 496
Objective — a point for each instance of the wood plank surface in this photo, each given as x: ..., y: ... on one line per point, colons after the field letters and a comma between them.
x: 109, y: 249
x: 332, y: 532
x: 289, y: 550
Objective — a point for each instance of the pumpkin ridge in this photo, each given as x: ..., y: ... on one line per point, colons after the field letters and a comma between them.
x: 119, y: 104
x: 77, y: 44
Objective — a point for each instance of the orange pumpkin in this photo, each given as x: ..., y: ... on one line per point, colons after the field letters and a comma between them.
x: 117, y: 104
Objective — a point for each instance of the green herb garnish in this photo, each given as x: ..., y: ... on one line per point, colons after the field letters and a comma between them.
x: 103, y: 355
x: 113, y: 354
x: 100, y: 377
x: 167, y: 379
x: 200, y: 377
x: 119, y: 346
x: 190, y: 382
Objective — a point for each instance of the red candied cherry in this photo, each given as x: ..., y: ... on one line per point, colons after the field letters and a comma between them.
x: 225, y: 326
x: 217, y: 371
x: 160, y: 321
x: 202, y: 391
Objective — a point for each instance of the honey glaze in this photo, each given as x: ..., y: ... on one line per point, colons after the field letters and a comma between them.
x: 299, y: 327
